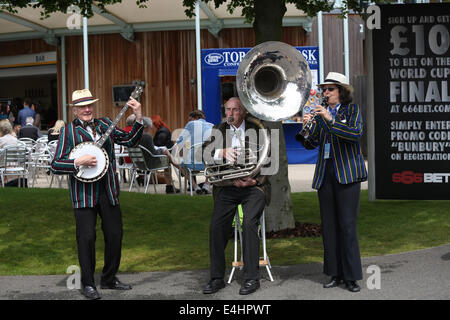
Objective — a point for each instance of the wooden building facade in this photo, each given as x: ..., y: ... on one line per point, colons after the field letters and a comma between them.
x: 166, y: 61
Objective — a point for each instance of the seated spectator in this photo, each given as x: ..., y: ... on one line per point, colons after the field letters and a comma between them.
x: 196, y: 131
x: 29, y: 130
x: 16, y: 129
x: 147, y: 142
x: 129, y: 122
x: 6, y: 137
x: 163, y: 136
x: 53, y: 132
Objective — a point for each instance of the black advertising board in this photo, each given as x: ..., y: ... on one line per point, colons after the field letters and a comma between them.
x: 411, y: 62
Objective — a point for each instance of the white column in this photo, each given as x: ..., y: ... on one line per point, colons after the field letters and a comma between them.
x: 346, y: 51
x: 320, y: 34
x: 63, y: 79
x: 85, y: 54
x: 198, y: 49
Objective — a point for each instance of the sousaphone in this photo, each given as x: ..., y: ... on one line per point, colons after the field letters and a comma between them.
x: 273, y: 83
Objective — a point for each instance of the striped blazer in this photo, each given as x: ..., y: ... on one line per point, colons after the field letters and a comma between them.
x: 345, y: 151
x: 87, y: 194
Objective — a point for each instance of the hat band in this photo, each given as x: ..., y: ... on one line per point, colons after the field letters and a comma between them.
x: 82, y: 100
x: 333, y: 81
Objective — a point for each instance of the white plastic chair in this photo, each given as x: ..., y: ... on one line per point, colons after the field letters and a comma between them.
x: 13, y: 162
x: 121, y: 153
x: 40, y: 159
x: 30, y: 143
x: 52, y: 150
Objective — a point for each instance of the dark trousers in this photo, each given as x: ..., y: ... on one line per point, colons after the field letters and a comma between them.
x: 339, y: 206
x: 226, y: 201
x: 86, y: 220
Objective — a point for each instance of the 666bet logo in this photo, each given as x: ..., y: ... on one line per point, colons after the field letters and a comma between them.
x: 410, y: 177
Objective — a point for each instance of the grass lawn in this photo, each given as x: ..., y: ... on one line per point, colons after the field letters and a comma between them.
x: 37, y: 231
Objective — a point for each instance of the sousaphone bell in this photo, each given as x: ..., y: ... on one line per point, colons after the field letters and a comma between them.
x: 273, y: 81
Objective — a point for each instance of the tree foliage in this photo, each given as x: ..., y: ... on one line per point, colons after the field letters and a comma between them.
x: 310, y: 7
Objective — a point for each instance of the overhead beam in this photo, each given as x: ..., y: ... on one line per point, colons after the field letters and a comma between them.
x: 127, y: 29
x: 23, y: 22
x: 46, y: 34
x: 215, y: 24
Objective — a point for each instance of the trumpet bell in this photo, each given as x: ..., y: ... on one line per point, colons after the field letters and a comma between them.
x: 273, y: 81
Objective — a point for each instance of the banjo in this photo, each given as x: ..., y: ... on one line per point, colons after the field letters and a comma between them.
x: 95, y: 148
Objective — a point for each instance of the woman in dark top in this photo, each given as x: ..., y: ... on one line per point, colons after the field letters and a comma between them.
x: 53, y: 133
x: 163, y: 136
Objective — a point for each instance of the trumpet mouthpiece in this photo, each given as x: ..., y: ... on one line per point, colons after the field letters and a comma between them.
x: 230, y: 120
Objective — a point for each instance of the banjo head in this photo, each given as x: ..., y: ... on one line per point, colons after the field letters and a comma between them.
x: 95, y: 173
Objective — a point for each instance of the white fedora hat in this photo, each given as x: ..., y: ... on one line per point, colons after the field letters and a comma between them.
x: 82, y: 97
x: 337, y: 79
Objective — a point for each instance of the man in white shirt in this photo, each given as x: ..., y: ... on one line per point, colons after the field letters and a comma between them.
x: 252, y: 193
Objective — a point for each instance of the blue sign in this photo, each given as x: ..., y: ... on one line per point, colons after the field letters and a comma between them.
x: 218, y: 63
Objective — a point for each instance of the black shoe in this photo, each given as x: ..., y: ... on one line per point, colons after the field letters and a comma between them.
x: 213, y: 286
x: 115, y: 285
x: 249, y: 286
x: 170, y: 189
x: 90, y: 293
x: 334, y: 282
x: 352, y: 286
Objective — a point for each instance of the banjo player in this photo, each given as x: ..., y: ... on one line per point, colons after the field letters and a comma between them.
x: 100, y: 196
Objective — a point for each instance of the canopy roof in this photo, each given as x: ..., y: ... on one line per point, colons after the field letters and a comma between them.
x: 127, y: 18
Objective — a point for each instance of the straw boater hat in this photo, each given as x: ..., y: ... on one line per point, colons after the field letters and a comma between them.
x: 337, y: 79
x: 82, y: 97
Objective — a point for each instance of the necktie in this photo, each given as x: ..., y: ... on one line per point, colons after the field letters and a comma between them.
x: 90, y: 124
x: 333, y: 112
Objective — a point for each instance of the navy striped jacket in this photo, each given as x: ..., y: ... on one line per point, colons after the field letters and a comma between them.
x: 87, y: 194
x: 345, y: 150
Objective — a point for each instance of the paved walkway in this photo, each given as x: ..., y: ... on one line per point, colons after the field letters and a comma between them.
x: 422, y: 274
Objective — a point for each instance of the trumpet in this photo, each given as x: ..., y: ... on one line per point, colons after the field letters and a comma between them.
x: 323, y: 101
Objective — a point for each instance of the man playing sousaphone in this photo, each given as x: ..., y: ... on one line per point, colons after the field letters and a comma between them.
x: 101, y: 196
x: 252, y: 193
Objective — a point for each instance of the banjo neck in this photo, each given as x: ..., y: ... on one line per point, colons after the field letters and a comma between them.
x: 135, y: 94
x: 113, y: 125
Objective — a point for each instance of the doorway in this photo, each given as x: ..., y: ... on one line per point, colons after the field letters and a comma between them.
x: 41, y: 89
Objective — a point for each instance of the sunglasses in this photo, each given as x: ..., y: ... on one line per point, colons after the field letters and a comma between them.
x: 331, y: 89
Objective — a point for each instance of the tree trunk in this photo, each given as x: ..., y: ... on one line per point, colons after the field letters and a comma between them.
x: 268, y: 26
x: 279, y: 214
